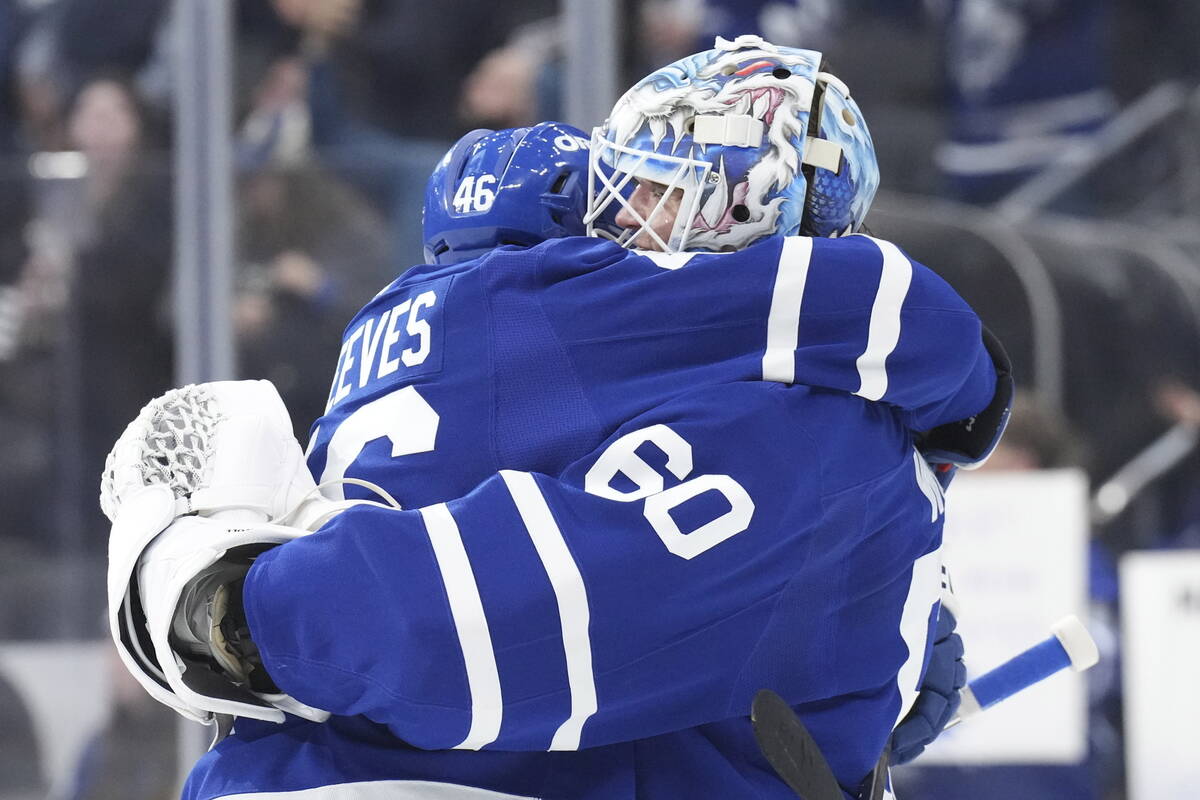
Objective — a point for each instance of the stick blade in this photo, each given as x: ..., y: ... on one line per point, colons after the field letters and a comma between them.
x: 791, y: 750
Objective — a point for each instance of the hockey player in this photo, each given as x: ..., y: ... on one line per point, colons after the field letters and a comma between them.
x: 601, y: 559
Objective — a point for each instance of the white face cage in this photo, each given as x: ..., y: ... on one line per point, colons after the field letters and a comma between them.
x: 628, y: 164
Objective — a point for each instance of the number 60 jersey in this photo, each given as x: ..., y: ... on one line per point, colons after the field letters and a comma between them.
x: 637, y: 489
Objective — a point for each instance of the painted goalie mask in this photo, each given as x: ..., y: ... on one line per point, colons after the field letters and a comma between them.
x: 759, y: 140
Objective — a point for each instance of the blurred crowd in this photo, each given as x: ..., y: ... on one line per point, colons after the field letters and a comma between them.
x: 1042, y: 154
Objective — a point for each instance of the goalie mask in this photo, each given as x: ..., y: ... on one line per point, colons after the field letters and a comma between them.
x: 757, y: 138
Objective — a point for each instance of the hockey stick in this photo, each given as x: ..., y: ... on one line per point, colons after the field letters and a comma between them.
x: 790, y: 748
x: 797, y: 758
x: 1070, y: 646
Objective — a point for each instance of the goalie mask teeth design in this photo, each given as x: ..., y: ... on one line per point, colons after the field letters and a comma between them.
x: 173, y: 437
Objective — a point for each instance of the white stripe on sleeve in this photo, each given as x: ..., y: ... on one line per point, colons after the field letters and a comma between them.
x: 569, y: 591
x: 382, y: 790
x: 884, y: 331
x: 474, y: 638
x: 783, y: 322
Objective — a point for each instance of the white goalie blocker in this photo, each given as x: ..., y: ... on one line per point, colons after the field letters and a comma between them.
x: 202, y: 470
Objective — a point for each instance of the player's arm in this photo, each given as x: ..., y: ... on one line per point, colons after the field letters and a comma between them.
x: 867, y: 319
x: 889, y: 329
x: 620, y: 602
x: 854, y: 315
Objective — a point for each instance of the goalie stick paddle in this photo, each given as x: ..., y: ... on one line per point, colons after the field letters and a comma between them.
x: 790, y: 748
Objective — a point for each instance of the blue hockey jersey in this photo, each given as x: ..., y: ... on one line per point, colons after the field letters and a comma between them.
x: 638, y: 488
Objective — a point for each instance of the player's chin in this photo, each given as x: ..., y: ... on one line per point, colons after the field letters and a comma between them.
x: 647, y: 242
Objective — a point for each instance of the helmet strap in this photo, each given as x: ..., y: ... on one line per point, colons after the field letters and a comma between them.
x: 807, y: 168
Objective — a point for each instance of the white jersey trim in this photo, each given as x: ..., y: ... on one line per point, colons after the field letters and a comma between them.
x: 884, y: 331
x: 573, y: 611
x: 923, y: 591
x: 669, y: 261
x: 474, y: 637
x: 783, y: 322
x: 927, y: 482
x: 383, y: 790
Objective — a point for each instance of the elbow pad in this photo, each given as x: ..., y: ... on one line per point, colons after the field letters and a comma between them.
x: 967, y: 443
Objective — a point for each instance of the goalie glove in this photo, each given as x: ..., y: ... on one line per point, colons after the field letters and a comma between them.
x: 224, y: 451
x: 187, y: 582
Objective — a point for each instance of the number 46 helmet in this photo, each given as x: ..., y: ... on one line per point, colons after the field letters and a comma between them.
x: 516, y: 186
x: 757, y: 137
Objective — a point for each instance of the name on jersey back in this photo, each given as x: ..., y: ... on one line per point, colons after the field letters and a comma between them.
x: 399, y: 337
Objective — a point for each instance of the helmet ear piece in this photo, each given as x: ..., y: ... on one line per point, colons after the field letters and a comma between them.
x: 809, y: 169
x: 838, y: 199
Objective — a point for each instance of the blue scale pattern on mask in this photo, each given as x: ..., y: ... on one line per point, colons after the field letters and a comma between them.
x: 829, y: 209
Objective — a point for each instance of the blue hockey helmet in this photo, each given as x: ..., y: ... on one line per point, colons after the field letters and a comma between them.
x: 514, y: 186
x: 760, y: 140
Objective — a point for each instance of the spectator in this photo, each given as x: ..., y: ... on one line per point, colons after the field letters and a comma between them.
x: 517, y: 84
x: 397, y: 76
x: 69, y: 42
x: 123, y: 255
x: 384, y: 92
x: 311, y: 249
x: 1027, y: 79
x: 312, y: 253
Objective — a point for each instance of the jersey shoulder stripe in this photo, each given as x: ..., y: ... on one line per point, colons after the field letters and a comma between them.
x: 783, y: 321
x: 884, y: 331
